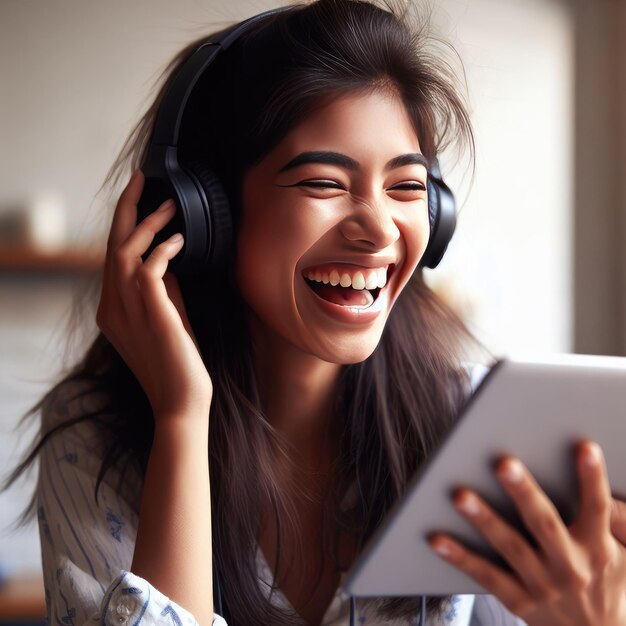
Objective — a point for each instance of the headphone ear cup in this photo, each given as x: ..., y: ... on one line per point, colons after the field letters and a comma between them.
x: 441, y: 216
x: 217, y: 220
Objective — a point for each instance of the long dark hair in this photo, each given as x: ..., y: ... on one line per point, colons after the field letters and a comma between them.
x: 393, y: 408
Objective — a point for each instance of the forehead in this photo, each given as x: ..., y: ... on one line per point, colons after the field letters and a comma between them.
x: 374, y: 126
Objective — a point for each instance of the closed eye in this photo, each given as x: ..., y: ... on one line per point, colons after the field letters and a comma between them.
x: 320, y: 184
x: 412, y: 185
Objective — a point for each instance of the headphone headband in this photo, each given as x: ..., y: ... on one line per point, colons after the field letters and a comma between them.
x: 172, y: 109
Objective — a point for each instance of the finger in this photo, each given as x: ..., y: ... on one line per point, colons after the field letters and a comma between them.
x: 488, y: 575
x: 125, y: 215
x: 150, y: 278
x: 128, y: 257
x: 506, y: 540
x: 121, y: 304
x: 123, y: 223
x: 594, y: 515
x: 618, y: 521
x: 142, y: 235
x: 592, y: 527
x: 537, y: 512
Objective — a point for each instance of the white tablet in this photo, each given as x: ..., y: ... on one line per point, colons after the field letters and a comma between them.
x: 536, y: 411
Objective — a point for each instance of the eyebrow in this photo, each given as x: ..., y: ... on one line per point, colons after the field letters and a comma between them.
x: 346, y: 162
x: 412, y: 158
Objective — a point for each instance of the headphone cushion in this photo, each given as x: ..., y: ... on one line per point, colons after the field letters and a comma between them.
x: 433, y: 204
x: 442, y: 218
x: 218, y: 213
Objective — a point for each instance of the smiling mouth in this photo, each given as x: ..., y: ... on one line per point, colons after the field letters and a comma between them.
x: 348, y: 290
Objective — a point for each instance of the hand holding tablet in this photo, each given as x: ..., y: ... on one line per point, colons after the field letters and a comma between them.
x: 538, y: 412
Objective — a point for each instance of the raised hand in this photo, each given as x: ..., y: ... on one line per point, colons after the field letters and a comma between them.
x: 574, y: 576
x: 141, y: 311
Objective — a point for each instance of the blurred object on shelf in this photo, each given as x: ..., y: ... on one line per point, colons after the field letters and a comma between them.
x: 13, y: 224
x: 47, y: 222
x: 40, y: 224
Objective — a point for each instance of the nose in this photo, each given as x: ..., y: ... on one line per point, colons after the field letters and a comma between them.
x: 370, y: 222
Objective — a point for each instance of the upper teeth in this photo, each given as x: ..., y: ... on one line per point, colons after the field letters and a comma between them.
x: 376, y: 278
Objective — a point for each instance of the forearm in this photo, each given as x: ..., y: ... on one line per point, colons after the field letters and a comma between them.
x: 173, y: 546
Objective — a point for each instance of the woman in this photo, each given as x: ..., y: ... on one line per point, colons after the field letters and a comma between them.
x: 311, y: 356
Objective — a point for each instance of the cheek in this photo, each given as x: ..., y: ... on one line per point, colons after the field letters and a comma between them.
x: 415, y: 230
x: 268, y: 251
x: 255, y: 267
x: 274, y: 236
x: 423, y: 236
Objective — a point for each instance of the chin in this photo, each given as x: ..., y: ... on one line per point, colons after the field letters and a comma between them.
x: 347, y: 350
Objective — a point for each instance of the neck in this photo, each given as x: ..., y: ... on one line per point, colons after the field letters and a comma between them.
x: 297, y: 391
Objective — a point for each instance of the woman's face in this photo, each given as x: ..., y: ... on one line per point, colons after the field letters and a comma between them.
x: 335, y: 221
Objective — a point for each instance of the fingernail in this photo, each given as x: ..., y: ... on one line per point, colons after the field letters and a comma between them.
x: 469, y: 504
x: 442, y: 548
x: 512, y: 471
x: 593, y: 454
x: 176, y: 238
x: 166, y: 206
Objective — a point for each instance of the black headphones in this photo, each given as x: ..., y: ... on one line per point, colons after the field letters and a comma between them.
x: 203, y: 215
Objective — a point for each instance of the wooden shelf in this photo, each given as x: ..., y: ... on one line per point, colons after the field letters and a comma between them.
x: 22, y: 599
x: 23, y: 259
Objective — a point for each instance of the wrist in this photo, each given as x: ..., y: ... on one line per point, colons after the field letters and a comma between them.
x: 190, y: 408
x: 174, y: 429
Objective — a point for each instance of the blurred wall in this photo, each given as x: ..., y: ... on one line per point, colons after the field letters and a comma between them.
x: 510, y: 264
x: 76, y: 75
x: 600, y: 177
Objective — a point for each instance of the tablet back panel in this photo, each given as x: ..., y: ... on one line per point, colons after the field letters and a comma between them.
x: 536, y: 411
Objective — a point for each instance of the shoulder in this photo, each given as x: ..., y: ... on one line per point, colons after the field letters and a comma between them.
x: 68, y: 401
x: 72, y: 417
x: 66, y: 418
